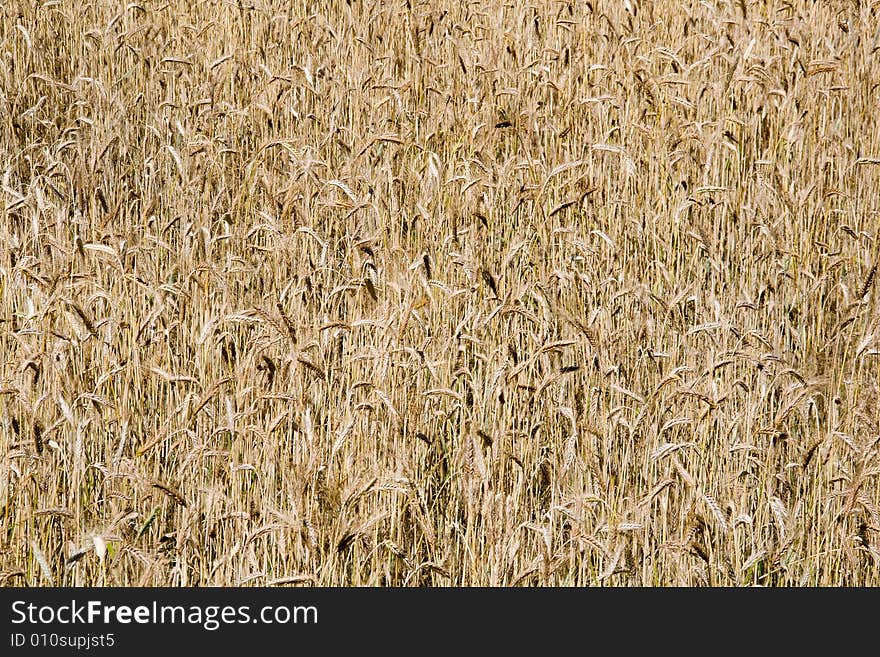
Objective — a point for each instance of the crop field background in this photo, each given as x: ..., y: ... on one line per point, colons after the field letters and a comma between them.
x: 405, y: 293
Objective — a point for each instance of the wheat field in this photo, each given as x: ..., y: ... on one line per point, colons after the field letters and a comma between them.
x: 439, y: 294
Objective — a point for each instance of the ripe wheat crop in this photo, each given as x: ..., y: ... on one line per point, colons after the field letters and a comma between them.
x: 402, y: 293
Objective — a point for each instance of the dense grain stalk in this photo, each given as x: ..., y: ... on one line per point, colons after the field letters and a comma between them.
x: 402, y: 293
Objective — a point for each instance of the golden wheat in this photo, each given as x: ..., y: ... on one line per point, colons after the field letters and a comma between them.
x: 431, y: 293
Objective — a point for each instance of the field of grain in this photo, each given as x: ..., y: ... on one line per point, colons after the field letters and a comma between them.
x: 406, y: 293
